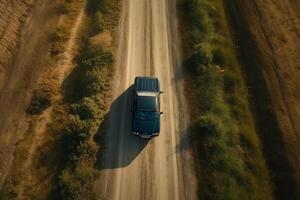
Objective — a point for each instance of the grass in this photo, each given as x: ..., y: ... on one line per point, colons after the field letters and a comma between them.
x: 47, y: 89
x: 74, y: 121
x: 255, y: 64
x: 44, y: 96
x: 223, y: 130
x: 86, y: 89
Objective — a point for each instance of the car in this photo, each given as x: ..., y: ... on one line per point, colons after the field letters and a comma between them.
x: 146, y: 107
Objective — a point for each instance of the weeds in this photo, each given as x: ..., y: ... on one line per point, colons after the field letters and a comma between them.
x: 87, y: 87
x: 224, y: 134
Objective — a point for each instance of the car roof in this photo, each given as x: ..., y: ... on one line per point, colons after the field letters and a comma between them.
x: 146, y: 84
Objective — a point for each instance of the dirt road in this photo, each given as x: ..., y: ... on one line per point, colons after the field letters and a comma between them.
x: 133, y: 168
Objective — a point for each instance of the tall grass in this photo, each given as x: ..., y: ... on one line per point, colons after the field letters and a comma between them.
x: 223, y: 131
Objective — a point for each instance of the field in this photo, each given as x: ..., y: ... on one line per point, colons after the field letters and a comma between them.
x: 268, y: 34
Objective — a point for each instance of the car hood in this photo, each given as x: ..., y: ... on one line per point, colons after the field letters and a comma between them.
x: 145, y: 127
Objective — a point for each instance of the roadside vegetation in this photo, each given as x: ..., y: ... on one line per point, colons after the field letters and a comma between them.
x: 67, y: 155
x: 86, y: 93
x: 48, y: 88
x: 44, y: 96
x: 253, y: 52
x: 223, y: 131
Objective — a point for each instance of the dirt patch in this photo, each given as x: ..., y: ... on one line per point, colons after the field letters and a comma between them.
x: 34, y: 168
x: 268, y: 33
x: 22, y: 75
x: 103, y: 39
x: 13, y: 15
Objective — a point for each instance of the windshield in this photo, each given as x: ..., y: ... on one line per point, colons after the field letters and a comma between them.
x: 147, y: 116
x: 147, y: 103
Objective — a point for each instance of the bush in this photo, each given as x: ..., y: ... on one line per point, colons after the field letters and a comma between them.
x: 105, y: 6
x: 91, y: 83
x: 58, y: 37
x: 98, y: 22
x: 41, y: 100
x: 95, y: 56
x: 69, y: 186
x: 75, y: 185
x: 86, y: 109
x: 219, y: 57
x: 59, y: 34
x: 231, y: 82
x: 77, y: 132
x: 64, y: 8
x: 203, y: 54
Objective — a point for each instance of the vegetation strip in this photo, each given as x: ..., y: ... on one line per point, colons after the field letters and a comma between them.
x: 86, y: 90
x: 71, y: 148
x: 223, y: 130
x: 275, y: 149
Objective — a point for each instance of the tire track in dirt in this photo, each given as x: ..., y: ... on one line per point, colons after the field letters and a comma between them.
x: 63, y: 67
x: 22, y: 74
x: 13, y: 14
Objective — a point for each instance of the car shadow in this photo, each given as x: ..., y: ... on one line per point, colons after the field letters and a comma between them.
x: 118, y: 146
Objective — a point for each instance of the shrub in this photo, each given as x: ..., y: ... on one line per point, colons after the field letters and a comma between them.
x: 98, y: 22
x: 86, y: 109
x: 77, y: 132
x: 59, y: 34
x: 69, y: 186
x: 219, y: 57
x: 75, y: 185
x: 41, y: 100
x: 105, y: 6
x: 57, y: 38
x: 64, y: 8
x: 231, y: 82
x: 92, y: 82
x: 203, y: 53
x: 95, y: 56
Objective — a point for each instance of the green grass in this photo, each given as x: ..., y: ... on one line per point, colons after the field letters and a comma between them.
x: 224, y: 133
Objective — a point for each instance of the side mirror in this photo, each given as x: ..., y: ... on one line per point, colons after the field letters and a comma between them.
x: 161, y: 113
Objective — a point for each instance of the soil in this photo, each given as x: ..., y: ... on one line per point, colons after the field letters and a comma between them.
x: 21, y: 74
x: 13, y: 15
x: 268, y: 35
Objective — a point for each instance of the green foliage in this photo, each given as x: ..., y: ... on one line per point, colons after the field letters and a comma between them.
x: 73, y: 183
x: 224, y: 132
x: 92, y: 82
x: 219, y: 57
x: 86, y: 109
x: 86, y: 87
x: 104, y: 6
x: 231, y: 82
x: 95, y: 56
x: 98, y: 22
x: 203, y: 53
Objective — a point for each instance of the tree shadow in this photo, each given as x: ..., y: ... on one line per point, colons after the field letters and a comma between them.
x: 119, y: 147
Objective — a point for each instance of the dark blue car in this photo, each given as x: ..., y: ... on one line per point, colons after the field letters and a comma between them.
x: 146, y: 107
